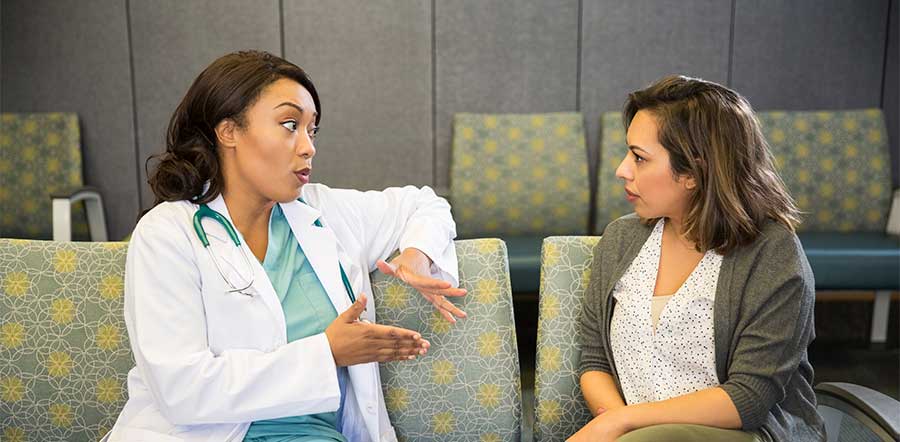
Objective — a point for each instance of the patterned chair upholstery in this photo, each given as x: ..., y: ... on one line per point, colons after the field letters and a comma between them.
x: 64, y: 352
x: 467, y: 388
x: 40, y: 155
x: 559, y: 410
x: 520, y: 177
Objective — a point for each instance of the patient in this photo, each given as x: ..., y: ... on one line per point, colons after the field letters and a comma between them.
x: 699, y: 310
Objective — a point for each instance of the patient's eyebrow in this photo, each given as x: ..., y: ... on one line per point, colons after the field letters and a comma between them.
x: 295, y: 106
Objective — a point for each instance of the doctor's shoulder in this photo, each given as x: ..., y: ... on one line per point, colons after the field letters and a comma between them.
x: 168, y: 220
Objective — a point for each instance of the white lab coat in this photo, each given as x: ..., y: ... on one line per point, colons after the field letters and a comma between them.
x: 209, y: 363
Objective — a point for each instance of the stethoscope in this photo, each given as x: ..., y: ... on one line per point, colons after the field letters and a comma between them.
x: 205, y: 212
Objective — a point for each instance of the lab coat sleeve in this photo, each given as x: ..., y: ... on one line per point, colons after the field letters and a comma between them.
x: 399, y: 218
x: 164, y: 312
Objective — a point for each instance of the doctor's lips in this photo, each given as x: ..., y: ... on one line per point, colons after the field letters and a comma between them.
x: 303, y: 175
x: 631, y: 196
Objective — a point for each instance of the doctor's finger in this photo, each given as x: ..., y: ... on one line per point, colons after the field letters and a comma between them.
x: 444, y: 306
x: 378, y: 331
x: 421, y: 281
x: 452, y: 291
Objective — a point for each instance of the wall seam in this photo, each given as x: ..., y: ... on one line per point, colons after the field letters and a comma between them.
x: 731, y: 44
x: 578, y: 58
x: 434, y: 148
x: 884, y: 60
x: 281, y: 26
x: 134, y: 111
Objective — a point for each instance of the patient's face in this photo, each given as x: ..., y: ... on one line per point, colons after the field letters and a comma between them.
x: 650, y: 184
x: 272, y: 156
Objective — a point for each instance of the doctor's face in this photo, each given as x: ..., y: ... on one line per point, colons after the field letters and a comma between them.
x: 273, y: 151
x: 650, y: 183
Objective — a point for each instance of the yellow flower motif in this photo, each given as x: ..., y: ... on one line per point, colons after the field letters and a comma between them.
x: 11, y: 389
x: 779, y: 161
x: 875, y: 189
x: 537, y: 223
x: 851, y: 151
x: 874, y: 136
x: 29, y: 127
x: 561, y: 157
x: 468, y: 133
x: 801, y: 124
x: 539, y: 173
x: 397, y: 399
x: 75, y: 177
x: 108, y: 336
x: 802, y: 150
x: 537, y: 120
x: 29, y: 153
x: 108, y: 390
x: 439, y: 324
x: 876, y: 163
x: 65, y: 260
x: 851, y: 176
x: 824, y: 116
x: 5, y: 141
x: 803, y: 175
x: 12, y: 334
x: 777, y: 136
x: 824, y: 216
x: 826, y: 190
x: 537, y: 144
x: 872, y: 113
x: 851, y: 124
x: 489, y: 200
x: 490, y: 122
x: 443, y: 372
x: 549, y: 306
x: 803, y: 201
x: 514, y: 133
x: 873, y: 215
x: 487, y: 246
x: 467, y: 213
x: 53, y: 165
x: 468, y: 187
x: 515, y: 186
x: 826, y: 137
x: 16, y: 284
x: 29, y: 206
x: 61, y: 415
x: 62, y: 311
x: 538, y: 198
x: 395, y: 296
x: 59, y: 364
x: 488, y: 344
x: 562, y: 184
x: 827, y: 164
x: 551, y: 358
x: 52, y: 139
x: 467, y: 161
x: 111, y: 287
x: 489, y: 395
x: 560, y: 211
x: 513, y: 213
x: 492, y: 174
x: 550, y: 254
x: 562, y: 130
x: 845, y: 226
x: 548, y: 411
x: 490, y: 437
x: 513, y: 160
x: 14, y: 434
x: 490, y: 146
x: 488, y: 290
x: 492, y: 225
x: 617, y: 135
x: 443, y: 422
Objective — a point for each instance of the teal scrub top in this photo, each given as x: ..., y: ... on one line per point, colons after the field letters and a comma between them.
x: 307, y: 311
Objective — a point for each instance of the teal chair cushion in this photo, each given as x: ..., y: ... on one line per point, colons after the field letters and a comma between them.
x: 519, y: 174
x: 559, y: 409
x: 855, y: 261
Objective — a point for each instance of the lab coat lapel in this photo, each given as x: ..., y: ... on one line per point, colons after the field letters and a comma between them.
x: 261, y: 284
x: 321, y: 249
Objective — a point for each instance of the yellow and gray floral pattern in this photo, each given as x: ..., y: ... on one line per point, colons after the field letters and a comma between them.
x: 40, y: 154
x: 64, y: 351
x: 467, y: 387
x: 559, y: 409
x: 519, y: 174
x: 835, y: 164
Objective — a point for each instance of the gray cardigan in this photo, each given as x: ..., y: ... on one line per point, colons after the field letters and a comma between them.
x: 763, y: 324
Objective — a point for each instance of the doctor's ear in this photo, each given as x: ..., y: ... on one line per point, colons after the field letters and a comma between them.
x: 225, y: 133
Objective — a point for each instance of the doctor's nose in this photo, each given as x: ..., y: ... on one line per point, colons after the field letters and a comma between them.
x: 306, y: 146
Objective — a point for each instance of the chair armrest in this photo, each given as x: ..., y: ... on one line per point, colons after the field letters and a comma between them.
x: 62, y: 213
x: 893, y: 224
x: 855, y: 399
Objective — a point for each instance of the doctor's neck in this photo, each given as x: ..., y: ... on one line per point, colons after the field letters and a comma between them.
x: 249, y: 212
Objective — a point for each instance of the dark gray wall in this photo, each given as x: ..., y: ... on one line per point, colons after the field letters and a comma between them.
x: 392, y: 73
x: 891, y: 97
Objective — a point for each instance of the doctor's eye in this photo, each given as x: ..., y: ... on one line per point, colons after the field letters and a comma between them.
x: 313, y: 131
x: 290, y: 125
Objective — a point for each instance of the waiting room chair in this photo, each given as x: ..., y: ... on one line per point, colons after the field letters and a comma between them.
x: 854, y: 413
x: 64, y: 351
x: 41, y: 190
x: 520, y: 177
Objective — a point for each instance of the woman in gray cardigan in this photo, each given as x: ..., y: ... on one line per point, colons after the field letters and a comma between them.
x: 699, y: 311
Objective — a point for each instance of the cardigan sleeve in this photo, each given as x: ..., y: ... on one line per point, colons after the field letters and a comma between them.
x: 774, y: 326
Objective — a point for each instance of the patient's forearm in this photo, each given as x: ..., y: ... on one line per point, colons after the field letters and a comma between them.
x: 600, y: 391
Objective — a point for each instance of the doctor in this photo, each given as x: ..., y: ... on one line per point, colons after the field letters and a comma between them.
x: 246, y: 287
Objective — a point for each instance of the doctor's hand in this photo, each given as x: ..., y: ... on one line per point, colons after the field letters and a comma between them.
x: 413, y: 267
x: 357, y: 342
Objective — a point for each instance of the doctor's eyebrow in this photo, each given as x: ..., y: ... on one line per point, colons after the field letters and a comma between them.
x: 288, y: 103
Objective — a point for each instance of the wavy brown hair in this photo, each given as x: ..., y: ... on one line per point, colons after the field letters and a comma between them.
x: 224, y: 90
x: 713, y: 136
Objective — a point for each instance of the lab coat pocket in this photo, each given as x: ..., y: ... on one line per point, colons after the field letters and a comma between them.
x: 236, y: 320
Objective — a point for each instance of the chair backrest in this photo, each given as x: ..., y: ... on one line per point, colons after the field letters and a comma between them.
x: 559, y: 408
x: 467, y: 388
x: 835, y: 164
x: 40, y: 154
x: 519, y: 174
x: 64, y: 351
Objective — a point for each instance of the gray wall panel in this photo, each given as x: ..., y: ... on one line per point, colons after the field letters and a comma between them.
x: 891, y: 94
x: 174, y: 41
x: 371, y: 63
x: 627, y: 45
x: 495, y: 57
x: 73, y: 56
x: 809, y: 54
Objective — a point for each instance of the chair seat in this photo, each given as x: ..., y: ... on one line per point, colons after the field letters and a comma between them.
x: 854, y: 261
x: 524, y: 263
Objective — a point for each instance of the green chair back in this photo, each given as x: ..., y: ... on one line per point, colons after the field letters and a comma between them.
x: 519, y: 174
x: 64, y: 352
x: 40, y: 154
x: 467, y: 388
x: 559, y: 408
x: 835, y: 164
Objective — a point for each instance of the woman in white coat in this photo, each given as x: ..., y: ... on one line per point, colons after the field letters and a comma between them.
x: 257, y: 326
